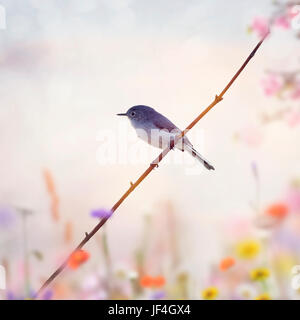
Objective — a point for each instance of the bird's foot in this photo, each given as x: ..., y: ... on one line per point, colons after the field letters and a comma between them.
x: 154, y: 165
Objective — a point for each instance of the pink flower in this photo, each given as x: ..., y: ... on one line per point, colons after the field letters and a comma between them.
x: 293, y: 200
x: 252, y: 136
x: 260, y: 26
x: 296, y: 93
x: 282, y: 22
x: 292, y: 12
x: 271, y: 85
x: 293, y: 118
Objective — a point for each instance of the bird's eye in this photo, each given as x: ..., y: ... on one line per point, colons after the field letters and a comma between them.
x: 132, y: 113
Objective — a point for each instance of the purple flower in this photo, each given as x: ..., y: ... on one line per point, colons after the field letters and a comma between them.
x: 254, y: 169
x: 158, y: 295
x: 7, y: 217
x: 48, y: 295
x: 10, y: 295
x: 101, y: 213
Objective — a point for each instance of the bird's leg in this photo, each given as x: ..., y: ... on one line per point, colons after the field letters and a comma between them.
x: 154, y: 165
x: 172, y: 144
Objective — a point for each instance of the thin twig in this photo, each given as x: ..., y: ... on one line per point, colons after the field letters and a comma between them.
x: 153, y: 165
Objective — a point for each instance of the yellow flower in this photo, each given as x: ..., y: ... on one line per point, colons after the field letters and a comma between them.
x: 248, y: 249
x: 263, y: 296
x: 283, y: 263
x: 210, y: 293
x: 259, y: 274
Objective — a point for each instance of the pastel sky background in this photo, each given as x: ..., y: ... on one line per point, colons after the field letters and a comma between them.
x: 67, y: 67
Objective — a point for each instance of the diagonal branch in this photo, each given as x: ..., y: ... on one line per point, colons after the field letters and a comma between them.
x: 153, y: 165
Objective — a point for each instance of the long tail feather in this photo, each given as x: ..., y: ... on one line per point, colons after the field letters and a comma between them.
x: 197, y: 155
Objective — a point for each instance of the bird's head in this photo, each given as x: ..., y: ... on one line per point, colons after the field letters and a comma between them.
x: 138, y: 113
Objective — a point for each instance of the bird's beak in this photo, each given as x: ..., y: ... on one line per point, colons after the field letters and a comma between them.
x: 121, y: 114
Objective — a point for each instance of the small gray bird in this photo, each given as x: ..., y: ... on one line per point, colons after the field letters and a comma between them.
x: 158, y: 131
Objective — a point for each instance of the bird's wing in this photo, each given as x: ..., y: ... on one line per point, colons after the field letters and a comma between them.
x: 164, y: 123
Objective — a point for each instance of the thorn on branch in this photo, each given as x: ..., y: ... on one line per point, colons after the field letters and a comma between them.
x: 131, y: 183
x: 86, y: 234
x: 154, y: 165
x: 218, y: 98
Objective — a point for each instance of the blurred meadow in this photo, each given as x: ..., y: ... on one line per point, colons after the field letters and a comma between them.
x: 67, y: 68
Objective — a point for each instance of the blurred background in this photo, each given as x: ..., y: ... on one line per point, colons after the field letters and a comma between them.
x: 68, y: 67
